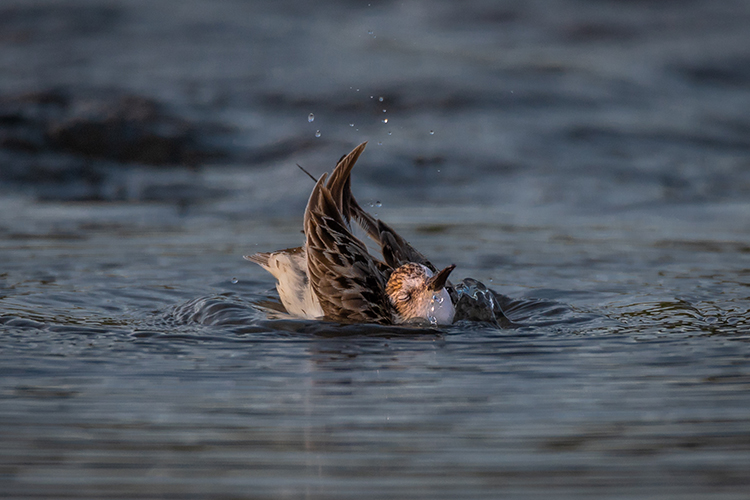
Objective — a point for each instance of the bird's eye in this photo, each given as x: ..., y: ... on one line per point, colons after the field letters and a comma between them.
x: 404, y: 296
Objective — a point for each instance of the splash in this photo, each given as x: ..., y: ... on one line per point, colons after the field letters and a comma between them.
x: 434, y: 304
x: 476, y: 302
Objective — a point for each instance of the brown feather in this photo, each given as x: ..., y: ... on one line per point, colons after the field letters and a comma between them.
x: 396, y: 250
x: 339, y: 184
x: 345, y: 278
x: 336, y: 276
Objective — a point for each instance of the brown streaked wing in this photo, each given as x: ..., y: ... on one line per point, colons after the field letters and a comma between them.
x: 339, y: 183
x: 396, y: 250
x: 345, y: 278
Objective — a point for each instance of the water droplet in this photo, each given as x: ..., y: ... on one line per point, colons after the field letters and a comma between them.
x: 351, y: 124
x: 310, y: 118
x: 385, y: 120
x: 378, y: 204
x: 372, y: 96
x: 317, y: 133
x: 369, y: 32
x: 380, y: 143
x: 431, y: 315
x: 438, y: 170
x: 383, y: 111
x: 235, y: 281
x: 432, y: 132
x: 380, y: 99
x: 389, y: 132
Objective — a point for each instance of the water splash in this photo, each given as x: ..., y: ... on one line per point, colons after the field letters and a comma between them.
x: 431, y: 316
x: 476, y: 302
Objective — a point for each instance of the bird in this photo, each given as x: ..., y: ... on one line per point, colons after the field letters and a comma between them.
x: 334, y: 277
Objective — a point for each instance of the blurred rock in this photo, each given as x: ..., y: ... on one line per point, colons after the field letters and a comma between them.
x: 81, y: 142
x: 109, y: 125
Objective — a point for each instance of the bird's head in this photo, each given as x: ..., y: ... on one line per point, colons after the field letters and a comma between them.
x: 418, y: 293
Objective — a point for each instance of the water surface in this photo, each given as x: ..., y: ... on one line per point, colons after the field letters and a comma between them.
x: 588, y: 161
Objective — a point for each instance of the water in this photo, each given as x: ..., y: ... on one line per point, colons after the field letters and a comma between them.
x: 131, y: 361
x: 594, y: 173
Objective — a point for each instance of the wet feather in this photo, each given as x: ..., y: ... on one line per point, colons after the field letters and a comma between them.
x: 334, y: 276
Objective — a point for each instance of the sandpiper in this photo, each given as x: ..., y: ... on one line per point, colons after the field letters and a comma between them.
x: 334, y: 277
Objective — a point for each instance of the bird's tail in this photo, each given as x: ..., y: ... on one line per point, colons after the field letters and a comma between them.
x: 259, y: 258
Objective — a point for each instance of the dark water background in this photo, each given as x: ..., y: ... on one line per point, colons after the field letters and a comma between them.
x: 587, y: 159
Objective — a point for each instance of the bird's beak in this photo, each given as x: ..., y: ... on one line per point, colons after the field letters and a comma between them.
x: 437, y: 282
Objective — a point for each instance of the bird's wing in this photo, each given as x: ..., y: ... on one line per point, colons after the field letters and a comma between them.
x: 339, y: 183
x: 345, y: 278
x: 396, y: 250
